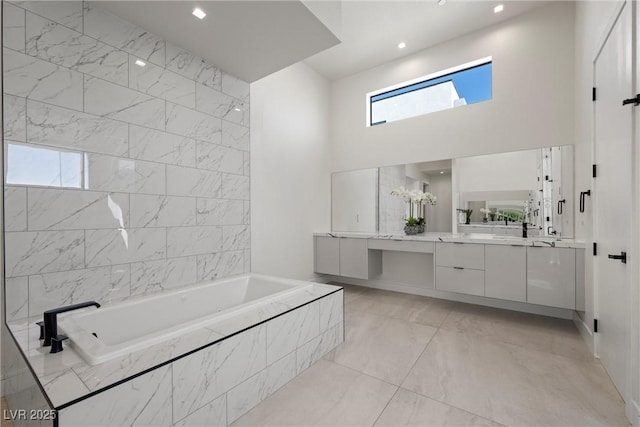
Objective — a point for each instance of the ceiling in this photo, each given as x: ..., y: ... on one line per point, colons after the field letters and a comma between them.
x: 249, y: 39
x: 371, y: 30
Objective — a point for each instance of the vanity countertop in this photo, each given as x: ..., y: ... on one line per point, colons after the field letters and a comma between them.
x: 488, y: 239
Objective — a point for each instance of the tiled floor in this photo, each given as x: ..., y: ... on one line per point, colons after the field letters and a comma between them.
x: 415, y: 361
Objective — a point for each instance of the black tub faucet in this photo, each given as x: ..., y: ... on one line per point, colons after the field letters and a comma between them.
x: 50, y: 336
x: 524, y: 230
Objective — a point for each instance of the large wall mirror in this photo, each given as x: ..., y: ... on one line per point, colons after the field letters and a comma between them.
x: 489, y: 194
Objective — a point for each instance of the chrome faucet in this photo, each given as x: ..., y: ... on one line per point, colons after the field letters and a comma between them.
x: 49, y: 328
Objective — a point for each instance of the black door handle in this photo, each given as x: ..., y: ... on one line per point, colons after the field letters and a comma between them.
x: 560, y: 206
x: 622, y: 257
x: 582, y: 194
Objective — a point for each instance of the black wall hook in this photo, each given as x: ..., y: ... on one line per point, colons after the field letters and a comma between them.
x: 582, y: 196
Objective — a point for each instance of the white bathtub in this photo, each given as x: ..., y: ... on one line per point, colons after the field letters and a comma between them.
x: 125, y: 327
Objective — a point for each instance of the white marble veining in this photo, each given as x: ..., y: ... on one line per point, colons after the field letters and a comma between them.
x: 219, y: 158
x: 246, y: 164
x: 155, y: 276
x: 17, y: 291
x: 63, y: 384
x: 235, y: 186
x: 220, y: 212
x: 247, y: 261
x: 102, y: 284
x: 53, y: 209
x: 235, y: 136
x: 43, y: 252
x: 257, y: 388
x: 15, y: 208
x: 117, y: 32
x: 13, y: 24
x: 235, y: 87
x: 153, y: 145
x: 331, y: 311
x: 110, y: 247
x: 185, y: 63
x: 235, y: 237
x: 202, y: 376
x: 247, y: 212
x: 107, y: 173
x: 213, y: 414
x: 292, y: 330
x: 60, y: 127
x: 162, y: 211
x: 214, y: 102
x: 162, y: 83
x: 15, y: 118
x: 199, y: 240
x: 193, y: 124
x: 66, y: 12
x: 193, y: 182
x: 314, y: 350
x: 60, y: 45
x: 111, y: 100
x: 32, y: 78
x: 215, y: 266
x: 143, y: 401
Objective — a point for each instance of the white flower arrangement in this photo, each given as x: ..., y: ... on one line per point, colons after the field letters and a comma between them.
x: 485, y: 211
x: 416, y: 199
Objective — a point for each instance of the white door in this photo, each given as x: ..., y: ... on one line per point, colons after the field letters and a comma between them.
x: 613, y: 196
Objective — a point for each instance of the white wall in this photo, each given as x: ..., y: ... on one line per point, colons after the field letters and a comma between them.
x: 439, y: 216
x: 290, y: 170
x: 532, y: 102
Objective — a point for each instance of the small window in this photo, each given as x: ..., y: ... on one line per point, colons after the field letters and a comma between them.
x: 466, y: 84
x: 45, y: 167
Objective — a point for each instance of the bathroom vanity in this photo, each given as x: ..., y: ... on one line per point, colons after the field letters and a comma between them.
x: 533, y: 272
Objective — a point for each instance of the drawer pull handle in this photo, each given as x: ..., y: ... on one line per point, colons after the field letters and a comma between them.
x: 459, y: 268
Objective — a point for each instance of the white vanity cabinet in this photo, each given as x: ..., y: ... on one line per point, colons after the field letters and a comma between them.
x: 551, y: 277
x: 347, y: 257
x: 460, y: 268
x: 505, y: 272
x: 327, y: 255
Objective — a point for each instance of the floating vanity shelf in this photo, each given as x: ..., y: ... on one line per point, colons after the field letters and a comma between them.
x: 529, y: 271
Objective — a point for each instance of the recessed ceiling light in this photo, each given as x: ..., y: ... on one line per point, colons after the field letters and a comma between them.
x: 441, y: 172
x: 441, y: 2
x: 199, y: 13
x: 238, y: 109
x: 140, y: 63
x: 499, y: 8
x: 402, y: 45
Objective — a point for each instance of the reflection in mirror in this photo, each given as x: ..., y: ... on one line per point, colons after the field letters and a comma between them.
x: 354, y: 200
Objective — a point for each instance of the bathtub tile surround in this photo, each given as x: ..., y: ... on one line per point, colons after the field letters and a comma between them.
x: 153, y: 191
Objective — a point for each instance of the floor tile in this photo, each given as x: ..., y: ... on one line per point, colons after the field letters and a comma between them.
x: 410, y: 409
x: 326, y: 394
x: 379, y: 346
x: 515, y: 385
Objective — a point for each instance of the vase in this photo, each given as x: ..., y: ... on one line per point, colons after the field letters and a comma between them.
x: 410, y: 230
x: 420, y: 228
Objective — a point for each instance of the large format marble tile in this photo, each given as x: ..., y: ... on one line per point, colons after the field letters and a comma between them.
x: 185, y: 63
x: 382, y: 347
x: 331, y: 310
x: 155, y: 276
x: 213, y: 414
x: 235, y: 237
x: 235, y: 136
x: 162, y: 83
x: 13, y: 22
x: 17, y: 295
x: 324, y: 395
x: 541, y: 333
x: 409, y: 409
x: 53, y: 209
x: 245, y: 396
x: 15, y: 118
x: 193, y: 182
x: 61, y: 127
x: 203, y: 376
x: 247, y: 212
x: 156, y: 146
x: 193, y: 124
x: 110, y: 247
x: 220, y: 212
x: 101, y: 284
x: 235, y: 87
x: 162, y: 211
x: 110, y: 29
x: 290, y: 331
x: 143, y: 401
x: 116, y: 102
x: 43, y: 252
x: 15, y: 209
x: 185, y: 241
x: 309, y: 353
x: 235, y: 187
x: 219, y: 158
x: 61, y: 384
x: 108, y: 173
x: 515, y: 385
x: 218, y: 265
x: 66, y: 12
x: 215, y: 103
x: 32, y: 78
x: 60, y: 45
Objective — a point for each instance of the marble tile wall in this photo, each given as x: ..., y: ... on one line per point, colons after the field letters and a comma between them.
x: 122, y: 179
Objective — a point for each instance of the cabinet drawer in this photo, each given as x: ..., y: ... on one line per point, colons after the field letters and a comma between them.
x: 327, y: 255
x: 467, y: 255
x: 461, y: 280
x: 401, y: 246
